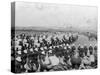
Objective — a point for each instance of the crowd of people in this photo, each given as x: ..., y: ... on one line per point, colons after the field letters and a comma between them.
x: 54, y: 51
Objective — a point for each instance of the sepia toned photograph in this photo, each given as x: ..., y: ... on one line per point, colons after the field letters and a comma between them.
x: 48, y: 37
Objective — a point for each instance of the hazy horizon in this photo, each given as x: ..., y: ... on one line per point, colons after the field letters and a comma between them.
x: 55, y: 16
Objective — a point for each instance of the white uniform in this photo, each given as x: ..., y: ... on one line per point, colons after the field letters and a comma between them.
x: 54, y: 60
x: 92, y: 58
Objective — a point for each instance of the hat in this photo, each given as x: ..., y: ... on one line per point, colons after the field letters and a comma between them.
x: 19, y: 52
x: 57, y: 46
x: 90, y: 44
x: 50, y: 51
x: 50, y: 47
x: 31, y: 49
x: 73, y: 44
x: 64, y: 44
x: 42, y: 52
x: 18, y: 59
x: 25, y: 51
x: 79, y: 44
x: 36, y: 49
x: 41, y: 48
x: 67, y: 44
x: 60, y: 45
x: 45, y: 47
x: 65, y: 48
x: 54, y: 46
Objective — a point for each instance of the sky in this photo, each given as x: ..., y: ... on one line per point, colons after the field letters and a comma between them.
x: 55, y: 16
